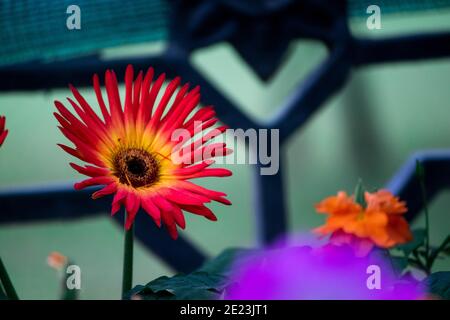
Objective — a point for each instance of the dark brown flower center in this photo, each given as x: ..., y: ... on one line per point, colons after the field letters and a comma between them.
x: 136, y: 167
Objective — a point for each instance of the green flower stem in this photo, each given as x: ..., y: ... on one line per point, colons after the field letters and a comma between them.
x: 421, y: 174
x: 6, y: 282
x: 68, y: 294
x: 436, y: 252
x: 421, y: 264
x: 427, y: 221
x: 127, y: 276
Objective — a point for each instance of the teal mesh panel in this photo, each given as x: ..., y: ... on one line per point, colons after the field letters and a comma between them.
x: 36, y: 30
x: 357, y: 8
x: 31, y: 29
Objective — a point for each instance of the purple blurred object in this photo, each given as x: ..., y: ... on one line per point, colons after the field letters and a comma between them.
x: 328, y: 272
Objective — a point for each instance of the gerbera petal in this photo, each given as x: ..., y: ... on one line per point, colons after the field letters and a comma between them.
x: 81, y: 130
x: 153, y: 94
x: 214, y: 172
x: 78, y: 129
x: 213, y: 133
x: 84, y: 150
x: 3, y: 136
x: 214, y: 195
x: 114, y: 100
x: 145, y: 108
x: 156, y: 117
x: 179, y: 97
x: 93, y: 182
x: 190, y: 156
x: 137, y: 94
x: 101, y: 102
x: 3, y: 132
x: 90, y: 170
x: 151, y: 209
x: 2, y: 123
x: 109, y: 189
x: 201, y: 117
x: 184, y: 106
x: 72, y: 123
x: 88, y: 121
x: 128, y: 93
x: 193, y: 168
x: 215, y: 151
x: 62, y: 121
x: 71, y: 151
x: 132, y: 204
x: 86, y: 108
x: 178, y: 217
x: 200, y: 210
x: 170, y: 224
x: 118, y: 200
x: 186, y: 109
x: 180, y: 196
x: 162, y: 203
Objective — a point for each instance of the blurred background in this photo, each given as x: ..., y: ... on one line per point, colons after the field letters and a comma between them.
x: 367, y: 130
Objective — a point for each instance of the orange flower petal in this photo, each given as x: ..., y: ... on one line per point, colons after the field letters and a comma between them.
x: 380, y: 223
x: 385, y: 201
x: 339, y: 204
x: 56, y: 260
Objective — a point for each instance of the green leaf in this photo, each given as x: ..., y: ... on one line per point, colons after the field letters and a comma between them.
x: 199, y: 280
x: 446, y: 251
x: 223, y: 263
x: 400, y: 263
x: 417, y: 241
x: 438, y: 284
x: 196, y: 286
x: 6, y: 282
x: 209, y: 282
x: 442, y: 250
x: 2, y: 293
x: 445, y: 246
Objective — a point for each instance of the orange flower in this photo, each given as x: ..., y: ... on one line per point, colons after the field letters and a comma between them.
x: 129, y: 149
x: 3, y: 131
x: 381, y: 221
x: 56, y: 260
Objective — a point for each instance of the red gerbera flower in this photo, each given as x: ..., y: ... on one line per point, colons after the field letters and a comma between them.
x: 3, y: 131
x: 130, y: 149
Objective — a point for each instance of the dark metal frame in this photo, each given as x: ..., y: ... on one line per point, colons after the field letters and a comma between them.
x: 200, y: 23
